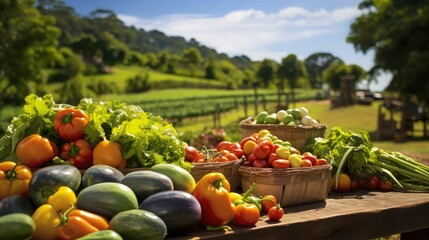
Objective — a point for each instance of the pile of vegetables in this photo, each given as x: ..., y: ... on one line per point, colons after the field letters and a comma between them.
x: 289, y: 117
x: 355, y: 154
x: 146, y: 140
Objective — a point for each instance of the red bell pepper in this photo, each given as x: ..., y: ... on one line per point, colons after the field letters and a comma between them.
x: 69, y: 123
x: 78, y: 153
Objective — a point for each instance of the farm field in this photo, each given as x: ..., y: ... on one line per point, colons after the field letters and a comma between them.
x: 354, y: 118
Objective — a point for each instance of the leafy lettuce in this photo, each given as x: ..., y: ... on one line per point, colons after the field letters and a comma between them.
x: 146, y: 139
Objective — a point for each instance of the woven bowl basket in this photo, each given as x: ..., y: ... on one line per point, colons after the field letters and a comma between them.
x: 298, y: 136
x: 228, y: 169
x: 290, y: 186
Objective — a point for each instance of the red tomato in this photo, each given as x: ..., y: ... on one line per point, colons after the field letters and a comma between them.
x: 281, y: 163
x: 268, y: 201
x: 306, y: 163
x: 275, y: 213
x: 312, y: 159
x: 251, y: 158
x: 233, y: 146
x: 373, y: 183
x: 191, y: 154
x: 272, y: 158
x: 224, y: 145
x: 321, y: 162
x: 385, y: 186
x: 238, y: 152
x: 260, y: 163
x: 263, y: 150
x: 246, y: 215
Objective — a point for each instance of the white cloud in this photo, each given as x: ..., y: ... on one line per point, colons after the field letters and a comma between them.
x: 250, y: 32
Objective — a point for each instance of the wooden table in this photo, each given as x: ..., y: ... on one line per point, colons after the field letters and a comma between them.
x: 353, y: 215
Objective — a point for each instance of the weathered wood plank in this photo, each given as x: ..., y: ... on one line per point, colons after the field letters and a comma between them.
x: 356, y: 215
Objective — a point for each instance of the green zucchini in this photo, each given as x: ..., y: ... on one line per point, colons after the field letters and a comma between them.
x: 107, y: 199
x: 16, y: 226
x: 102, y: 235
x: 138, y: 224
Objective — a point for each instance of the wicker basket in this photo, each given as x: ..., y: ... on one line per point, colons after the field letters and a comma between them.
x: 228, y: 169
x: 291, y: 186
x: 298, y: 136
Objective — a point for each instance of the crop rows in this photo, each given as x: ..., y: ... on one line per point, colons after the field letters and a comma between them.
x: 199, y: 106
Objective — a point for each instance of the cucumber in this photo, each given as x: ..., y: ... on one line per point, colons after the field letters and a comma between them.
x: 182, y: 179
x: 16, y: 226
x: 102, y: 235
x: 107, y: 199
x: 145, y: 183
x: 101, y: 173
x: 138, y: 224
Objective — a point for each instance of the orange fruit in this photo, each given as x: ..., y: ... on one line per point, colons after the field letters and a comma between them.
x: 344, y: 183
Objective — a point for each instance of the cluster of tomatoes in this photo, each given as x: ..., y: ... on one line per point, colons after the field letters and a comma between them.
x: 224, y: 152
x: 36, y: 150
x: 347, y: 183
x: 264, y: 150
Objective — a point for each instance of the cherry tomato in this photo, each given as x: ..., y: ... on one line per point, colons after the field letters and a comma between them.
x: 231, y: 157
x: 268, y: 202
x: 275, y: 213
x: 373, y: 183
x: 246, y: 214
x: 220, y: 159
x: 385, y: 186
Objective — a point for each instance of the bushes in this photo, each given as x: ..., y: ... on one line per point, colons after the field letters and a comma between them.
x: 139, y: 83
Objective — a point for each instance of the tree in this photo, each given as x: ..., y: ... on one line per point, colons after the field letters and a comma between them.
x: 25, y: 49
x: 192, y: 58
x: 315, y: 64
x: 291, y: 68
x: 338, y: 70
x: 266, y: 72
x: 398, y: 33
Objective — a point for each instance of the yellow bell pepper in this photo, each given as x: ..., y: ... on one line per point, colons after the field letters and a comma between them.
x: 212, y: 192
x: 62, y: 199
x: 48, y: 216
x: 14, y: 179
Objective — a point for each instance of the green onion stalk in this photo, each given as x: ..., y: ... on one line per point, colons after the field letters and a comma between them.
x: 354, y: 153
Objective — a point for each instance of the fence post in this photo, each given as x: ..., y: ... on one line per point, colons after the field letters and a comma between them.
x: 245, y: 106
x: 264, y: 103
x: 255, y: 87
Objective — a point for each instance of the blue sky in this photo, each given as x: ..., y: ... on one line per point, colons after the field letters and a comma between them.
x: 256, y: 28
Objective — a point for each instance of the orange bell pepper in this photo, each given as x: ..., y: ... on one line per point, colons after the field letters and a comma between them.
x: 14, y: 179
x: 212, y: 192
x: 78, y: 223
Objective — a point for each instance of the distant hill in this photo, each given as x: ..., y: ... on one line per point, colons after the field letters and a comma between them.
x: 74, y: 26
